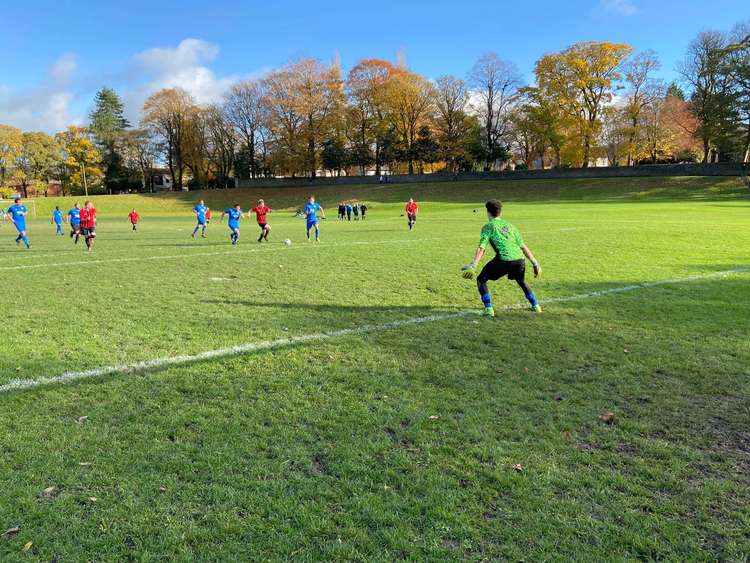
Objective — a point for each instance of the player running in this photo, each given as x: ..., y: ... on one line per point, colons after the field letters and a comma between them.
x: 311, y: 214
x: 209, y: 215
x: 74, y: 218
x: 17, y: 214
x: 261, y: 210
x: 234, y: 213
x: 411, y: 209
x: 134, y: 217
x: 88, y: 225
x: 200, y: 215
x: 510, y: 250
x: 57, y: 219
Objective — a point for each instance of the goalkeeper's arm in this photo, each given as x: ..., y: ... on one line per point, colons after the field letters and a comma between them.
x: 469, y: 269
x: 534, y: 262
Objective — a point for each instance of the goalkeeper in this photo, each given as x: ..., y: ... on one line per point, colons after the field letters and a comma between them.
x: 509, y: 260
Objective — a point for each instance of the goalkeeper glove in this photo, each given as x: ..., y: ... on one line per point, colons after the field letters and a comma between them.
x: 468, y: 271
x: 537, y: 269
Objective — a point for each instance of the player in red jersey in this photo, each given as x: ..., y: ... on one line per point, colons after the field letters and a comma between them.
x: 133, y: 216
x: 88, y: 224
x: 411, y: 212
x: 261, y: 210
x: 209, y: 214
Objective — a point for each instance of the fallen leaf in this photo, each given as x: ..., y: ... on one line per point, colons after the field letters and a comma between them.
x: 11, y: 533
x: 625, y: 350
x: 49, y: 492
x: 434, y: 417
x: 567, y: 435
x: 92, y: 499
x: 517, y: 467
x: 82, y: 419
x: 607, y: 418
x: 162, y: 488
x: 27, y: 547
x: 526, y: 370
x: 85, y: 463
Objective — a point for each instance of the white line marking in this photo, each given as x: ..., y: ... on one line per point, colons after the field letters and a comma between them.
x: 162, y: 363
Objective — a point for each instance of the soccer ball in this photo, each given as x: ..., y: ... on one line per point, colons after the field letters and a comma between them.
x: 287, y: 242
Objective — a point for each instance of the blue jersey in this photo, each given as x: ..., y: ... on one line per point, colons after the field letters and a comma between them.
x: 75, y: 216
x: 200, y: 212
x: 18, y: 214
x: 311, y: 210
x: 234, y: 217
x: 57, y: 216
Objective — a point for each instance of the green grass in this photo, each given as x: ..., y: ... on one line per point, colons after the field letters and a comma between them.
x: 396, y: 444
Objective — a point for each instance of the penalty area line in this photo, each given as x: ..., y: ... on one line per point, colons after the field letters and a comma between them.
x: 159, y: 364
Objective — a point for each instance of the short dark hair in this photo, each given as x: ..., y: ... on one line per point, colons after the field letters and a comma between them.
x: 494, y: 207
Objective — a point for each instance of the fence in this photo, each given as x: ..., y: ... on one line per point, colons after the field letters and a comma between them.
x: 719, y: 169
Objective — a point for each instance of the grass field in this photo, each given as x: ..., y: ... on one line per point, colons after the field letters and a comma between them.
x: 404, y: 428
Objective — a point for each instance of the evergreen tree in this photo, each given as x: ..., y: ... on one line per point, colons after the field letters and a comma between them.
x: 107, y: 124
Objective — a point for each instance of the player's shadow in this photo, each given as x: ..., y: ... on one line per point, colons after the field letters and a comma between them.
x: 335, y: 308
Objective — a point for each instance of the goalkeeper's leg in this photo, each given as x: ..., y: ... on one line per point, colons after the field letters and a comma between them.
x: 484, y: 294
x: 528, y: 292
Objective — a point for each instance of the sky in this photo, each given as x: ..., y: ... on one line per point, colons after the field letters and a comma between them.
x: 58, y: 53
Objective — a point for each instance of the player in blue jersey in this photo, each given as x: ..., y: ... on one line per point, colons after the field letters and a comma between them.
x: 234, y: 214
x: 17, y: 214
x: 57, y: 220
x: 74, y: 219
x: 311, y: 215
x: 200, y: 215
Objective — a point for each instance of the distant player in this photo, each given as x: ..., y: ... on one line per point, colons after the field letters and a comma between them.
x: 74, y: 219
x: 200, y: 215
x: 88, y: 224
x: 311, y: 215
x: 363, y: 211
x: 209, y: 215
x: 509, y: 260
x: 57, y: 220
x: 342, y: 212
x: 17, y: 214
x: 261, y: 211
x: 134, y: 217
x: 234, y: 213
x: 411, y: 212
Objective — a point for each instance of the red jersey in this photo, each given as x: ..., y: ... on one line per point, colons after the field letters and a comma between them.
x: 208, y: 214
x: 88, y: 218
x: 411, y: 208
x: 133, y: 216
x: 261, y: 211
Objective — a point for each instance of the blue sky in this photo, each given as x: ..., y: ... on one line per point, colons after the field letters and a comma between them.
x: 58, y: 53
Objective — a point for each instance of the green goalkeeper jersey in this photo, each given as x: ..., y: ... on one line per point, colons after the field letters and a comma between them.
x: 504, y: 238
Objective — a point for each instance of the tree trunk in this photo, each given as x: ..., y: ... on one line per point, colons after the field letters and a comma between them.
x: 377, y: 158
x: 706, y: 150
x: 251, y: 148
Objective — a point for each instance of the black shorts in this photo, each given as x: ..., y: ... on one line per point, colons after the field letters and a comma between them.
x: 88, y: 232
x: 262, y: 226
x: 75, y: 228
x: 497, y: 268
x: 411, y: 217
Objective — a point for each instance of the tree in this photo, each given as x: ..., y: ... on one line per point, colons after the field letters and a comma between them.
x: 426, y: 148
x: 701, y: 70
x: 81, y: 156
x: 452, y: 122
x: 38, y: 157
x: 737, y: 68
x: 580, y: 81
x: 409, y: 100
x: 643, y: 90
x: 674, y: 90
x: 366, y: 88
x: 138, y: 151
x: 107, y: 124
x: 167, y: 115
x: 284, y: 122
x: 11, y: 140
x: 222, y: 144
x: 334, y: 155
x: 244, y: 109
x: 496, y: 83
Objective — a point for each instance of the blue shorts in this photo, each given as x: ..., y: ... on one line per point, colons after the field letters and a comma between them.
x: 201, y: 222
x: 311, y: 223
x: 21, y: 227
x: 234, y: 227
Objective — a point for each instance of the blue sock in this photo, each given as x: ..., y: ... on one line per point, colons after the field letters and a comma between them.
x: 487, y: 300
x: 195, y: 230
x: 18, y: 239
x: 26, y: 241
x: 532, y: 299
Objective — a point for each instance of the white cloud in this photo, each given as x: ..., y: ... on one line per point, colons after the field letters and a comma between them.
x: 185, y: 66
x: 620, y: 7
x: 44, y: 106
